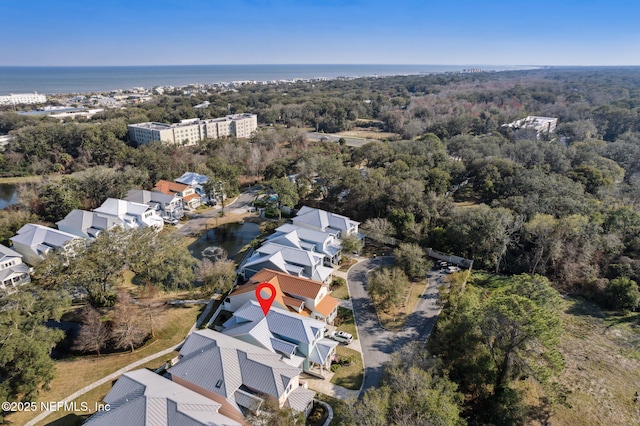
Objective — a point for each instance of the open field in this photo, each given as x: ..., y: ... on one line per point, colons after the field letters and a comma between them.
x: 602, y: 355
x: 368, y: 134
x: 22, y: 179
x: 74, y: 373
x: 396, y: 319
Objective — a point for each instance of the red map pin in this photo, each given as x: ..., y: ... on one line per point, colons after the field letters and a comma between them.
x: 265, y: 304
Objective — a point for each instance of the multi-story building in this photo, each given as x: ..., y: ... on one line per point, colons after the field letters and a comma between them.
x: 190, y: 131
x: 12, y: 271
x: 23, y: 98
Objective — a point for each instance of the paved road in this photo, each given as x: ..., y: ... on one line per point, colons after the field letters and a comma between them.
x: 377, y: 343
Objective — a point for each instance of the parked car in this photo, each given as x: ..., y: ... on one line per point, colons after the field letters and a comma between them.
x: 342, y: 337
x: 170, y: 220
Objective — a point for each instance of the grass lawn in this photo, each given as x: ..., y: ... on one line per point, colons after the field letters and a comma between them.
x: 349, y: 377
x: 21, y: 179
x: 339, y: 288
x: 602, y: 355
x: 346, y: 264
x: 337, y: 406
x: 341, y: 292
x: 75, y: 373
x: 345, y: 321
x: 488, y: 280
x: 395, y: 320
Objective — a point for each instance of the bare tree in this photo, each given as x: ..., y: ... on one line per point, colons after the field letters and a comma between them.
x: 127, y: 330
x: 152, y: 309
x: 217, y: 276
x: 93, y: 333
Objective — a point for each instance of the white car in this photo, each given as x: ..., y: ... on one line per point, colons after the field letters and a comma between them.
x: 342, y: 337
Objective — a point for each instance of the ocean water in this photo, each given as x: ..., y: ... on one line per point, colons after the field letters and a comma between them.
x: 50, y: 80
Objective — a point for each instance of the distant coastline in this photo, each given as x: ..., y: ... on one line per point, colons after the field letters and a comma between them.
x: 67, y: 80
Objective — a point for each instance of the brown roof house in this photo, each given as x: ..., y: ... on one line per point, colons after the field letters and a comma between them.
x: 300, y: 295
x: 190, y: 197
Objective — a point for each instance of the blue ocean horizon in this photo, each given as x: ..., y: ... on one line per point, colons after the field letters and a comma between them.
x: 87, y: 79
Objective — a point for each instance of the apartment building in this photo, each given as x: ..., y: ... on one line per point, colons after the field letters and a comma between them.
x: 23, y: 98
x: 191, y: 131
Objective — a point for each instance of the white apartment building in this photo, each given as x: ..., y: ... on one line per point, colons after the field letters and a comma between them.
x: 23, y: 98
x: 191, y: 131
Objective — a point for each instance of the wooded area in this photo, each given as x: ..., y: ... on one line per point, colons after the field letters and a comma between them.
x: 563, y: 209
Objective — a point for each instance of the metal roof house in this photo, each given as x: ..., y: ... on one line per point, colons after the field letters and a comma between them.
x: 35, y: 241
x: 144, y: 398
x: 306, y: 335
x: 291, y: 260
x: 167, y: 205
x: 238, y: 375
x: 326, y: 243
x: 133, y: 215
x: 12, y: 271
x: 87, y: 224
x: 193, y: 179
x: 321, y: 220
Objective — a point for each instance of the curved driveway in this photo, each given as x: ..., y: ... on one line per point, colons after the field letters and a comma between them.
x: 377, y: 343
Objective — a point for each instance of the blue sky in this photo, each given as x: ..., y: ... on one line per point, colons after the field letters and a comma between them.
x: 173, y: 32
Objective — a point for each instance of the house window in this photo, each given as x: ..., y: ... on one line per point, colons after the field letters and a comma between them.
x: 219, y: 383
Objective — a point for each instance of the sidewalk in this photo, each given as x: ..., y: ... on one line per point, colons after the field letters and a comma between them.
x: 328, y: 388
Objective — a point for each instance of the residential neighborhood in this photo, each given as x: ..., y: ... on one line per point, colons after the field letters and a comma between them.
x: 231, y: 367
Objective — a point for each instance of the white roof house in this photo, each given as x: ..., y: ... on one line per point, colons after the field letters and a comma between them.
x: 35, y: 241
x: 321, y: 220
x: 12, y: 271
x: 133, y: 215
x: 142, y: 397
x: 289, y: 329
x: 326, y: 243
x: 87, y: 224
x: 191, y: 178
x: 288, y: 259
x: 167, y: 205
x: 237, y: 374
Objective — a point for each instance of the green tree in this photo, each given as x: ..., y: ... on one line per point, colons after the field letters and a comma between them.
x: 386, y: 286
x: 286, y: 190
x: 415, y: 391
x: 351, y: 244
x: 411, y: 258
x: 522, y: 338
x: 622, y: 293
x: 56, y: 199
x: 25, y: 361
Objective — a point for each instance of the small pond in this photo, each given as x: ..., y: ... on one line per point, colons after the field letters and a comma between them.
x: 230, y: 237
x: 8, y: 195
